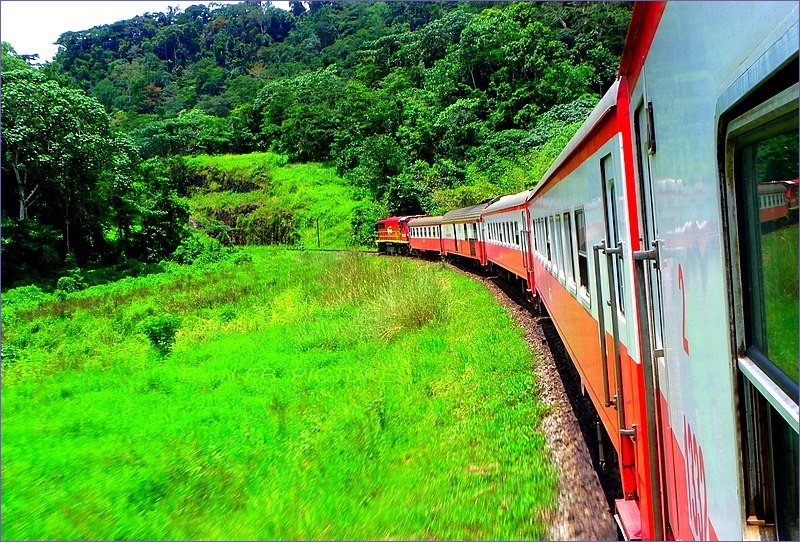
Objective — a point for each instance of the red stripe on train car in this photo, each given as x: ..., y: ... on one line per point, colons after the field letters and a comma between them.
x: 642, y: 29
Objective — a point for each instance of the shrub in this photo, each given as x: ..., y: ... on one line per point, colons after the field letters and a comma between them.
x: 69, y: 284
x: 24, y: 296
x: 161, y: 331
x: 199, y: 248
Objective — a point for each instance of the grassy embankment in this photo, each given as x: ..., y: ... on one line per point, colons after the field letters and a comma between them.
x: 306, y: 396
x: 260, y: 194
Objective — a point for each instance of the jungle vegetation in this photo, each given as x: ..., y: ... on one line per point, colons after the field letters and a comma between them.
x: 412, y: 107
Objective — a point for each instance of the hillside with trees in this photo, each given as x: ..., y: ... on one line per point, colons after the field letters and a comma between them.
x: 419, y: 107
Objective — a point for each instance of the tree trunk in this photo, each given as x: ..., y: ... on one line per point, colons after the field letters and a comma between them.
x: 24, y: 199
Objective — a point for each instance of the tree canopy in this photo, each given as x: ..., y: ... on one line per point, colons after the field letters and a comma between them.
x: 420, y: 106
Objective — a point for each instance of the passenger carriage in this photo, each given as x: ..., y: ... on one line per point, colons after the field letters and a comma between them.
x: 649, y: 234
x: 425, y: 235
x: 772, y: 202
x: 505, y: 224
x: 462, y: 234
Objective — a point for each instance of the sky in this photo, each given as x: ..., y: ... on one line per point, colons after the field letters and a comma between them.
x: 31, y: 27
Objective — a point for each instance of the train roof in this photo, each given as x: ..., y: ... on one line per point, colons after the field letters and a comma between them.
x: 506, y: 202
x: 425, y: 221
x: 465, y: 213
x: 397, y: 218
x: 606, y: 104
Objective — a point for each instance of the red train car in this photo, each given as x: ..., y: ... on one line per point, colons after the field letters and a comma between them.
x: 653, y: 262
x: 462, y: 234
x: 393, y: 234
x: 773, y: 205
x: 505, y: 223
x: 425, y: 235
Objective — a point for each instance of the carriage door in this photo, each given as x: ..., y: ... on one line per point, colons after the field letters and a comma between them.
x: 648, y: 286
x: 525, y: 242
x: 611, y: 294
x: 473, y: 235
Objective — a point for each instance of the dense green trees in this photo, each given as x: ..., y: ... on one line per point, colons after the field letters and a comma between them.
x: 421, y: 106
x: 73, y: 189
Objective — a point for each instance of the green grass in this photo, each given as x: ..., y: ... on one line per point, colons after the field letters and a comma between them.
x: 779, y: 264
x: 307, y: 396
x: 312, y: 193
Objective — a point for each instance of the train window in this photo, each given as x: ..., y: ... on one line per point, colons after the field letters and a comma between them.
x: 538, y: 224
x: 568, y: 252
x: 612, y: 225
x: 583, y: 256
x: 548, y: 228
x: 543, y: 237
x: 770, y: 238
x: 559, y: 252
x: 762, y: 151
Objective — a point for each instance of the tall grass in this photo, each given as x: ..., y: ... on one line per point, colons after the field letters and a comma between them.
x: 306, y: 396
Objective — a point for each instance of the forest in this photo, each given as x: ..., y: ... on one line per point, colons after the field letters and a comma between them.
x: 412, y: 107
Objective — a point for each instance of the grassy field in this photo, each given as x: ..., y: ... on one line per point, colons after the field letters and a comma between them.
x: 779, y: 265
x: 306, y: 396
x: 307, y: 195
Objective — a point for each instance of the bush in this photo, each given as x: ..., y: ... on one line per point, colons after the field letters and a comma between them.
x: 161, y: 331
x: 69, y: 284
x: 24, y: 296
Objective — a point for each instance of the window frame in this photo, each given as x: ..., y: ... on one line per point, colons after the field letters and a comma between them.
x: 767, y: 395
x: 584, y: 290
x: 569, y: 257
x: 741, y: 132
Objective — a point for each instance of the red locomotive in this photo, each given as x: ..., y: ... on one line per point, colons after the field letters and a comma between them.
x: 661, y: 243
x: 393, y: 234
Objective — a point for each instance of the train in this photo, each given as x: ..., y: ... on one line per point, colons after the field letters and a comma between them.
x: 661, y: 245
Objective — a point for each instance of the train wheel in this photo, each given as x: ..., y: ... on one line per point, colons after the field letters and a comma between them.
x: 537, y: 306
